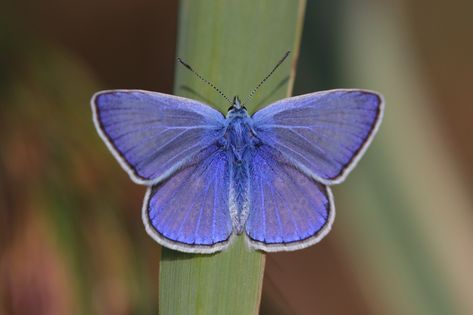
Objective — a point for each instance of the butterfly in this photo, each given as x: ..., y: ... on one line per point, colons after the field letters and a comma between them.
x: 211, y: 176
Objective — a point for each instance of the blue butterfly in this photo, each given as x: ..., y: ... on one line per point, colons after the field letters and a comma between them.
x: 212, y: 176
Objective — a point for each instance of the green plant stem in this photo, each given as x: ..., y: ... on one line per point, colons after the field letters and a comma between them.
x: 233, y: 44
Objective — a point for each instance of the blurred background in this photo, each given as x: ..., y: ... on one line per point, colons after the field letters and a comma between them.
x: 71, y: 236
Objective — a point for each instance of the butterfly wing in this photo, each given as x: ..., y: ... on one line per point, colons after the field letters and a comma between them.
x: 152, y: 134
x: 288, y: 209
x: 323, y: 134
x: 189, y: 211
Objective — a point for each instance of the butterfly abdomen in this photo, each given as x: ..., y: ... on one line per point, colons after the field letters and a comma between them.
x: 239, y: 195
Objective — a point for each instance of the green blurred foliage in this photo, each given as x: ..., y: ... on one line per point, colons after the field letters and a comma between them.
x: 71, y: 242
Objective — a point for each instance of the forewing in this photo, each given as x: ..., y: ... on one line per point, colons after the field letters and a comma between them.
x: 323, y: 134
x: 288, y: 209
x: 189, y: 211
x: 152, y: 134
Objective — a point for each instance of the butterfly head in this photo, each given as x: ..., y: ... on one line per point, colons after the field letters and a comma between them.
x: 236, y: 105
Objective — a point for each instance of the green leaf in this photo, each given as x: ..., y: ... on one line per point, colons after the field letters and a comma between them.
x: 233, y: 44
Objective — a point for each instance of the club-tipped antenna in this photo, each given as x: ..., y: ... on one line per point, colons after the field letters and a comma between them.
x: 266, y: 78
x: 204, y: 80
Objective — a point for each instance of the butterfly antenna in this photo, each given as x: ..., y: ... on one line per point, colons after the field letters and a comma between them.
x: 266, y: 78
x: 204, y: 80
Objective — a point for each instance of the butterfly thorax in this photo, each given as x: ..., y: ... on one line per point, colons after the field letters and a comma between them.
x: 239, y: 133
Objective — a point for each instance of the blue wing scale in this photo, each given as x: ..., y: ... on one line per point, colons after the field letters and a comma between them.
x: 325, y: 133
x: 289, y: 210
x: 152, y: 134
x: 189, y: 211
